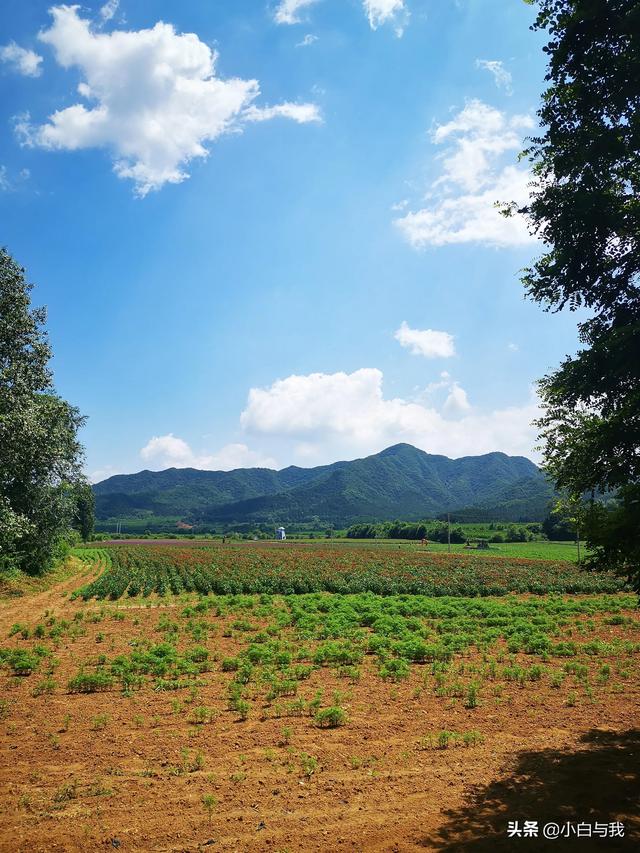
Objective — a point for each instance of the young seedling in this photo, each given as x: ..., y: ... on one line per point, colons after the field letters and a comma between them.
x: 471, y: 700
x: 309, y: 764
x: 285, y: 735
x: 209, y: 802
x: 99, y: 722
x: 198, y: 762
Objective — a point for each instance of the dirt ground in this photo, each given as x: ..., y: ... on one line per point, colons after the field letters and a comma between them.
x: 107, y: 771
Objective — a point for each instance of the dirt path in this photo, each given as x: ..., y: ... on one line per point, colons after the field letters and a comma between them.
x: 55, y: 599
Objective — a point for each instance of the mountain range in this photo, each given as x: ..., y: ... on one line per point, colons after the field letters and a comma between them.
x: 399, y: 482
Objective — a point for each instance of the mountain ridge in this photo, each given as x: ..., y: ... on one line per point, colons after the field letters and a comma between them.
x: 400, y: 481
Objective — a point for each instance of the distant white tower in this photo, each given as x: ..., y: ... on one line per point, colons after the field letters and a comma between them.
x: 280, y: 533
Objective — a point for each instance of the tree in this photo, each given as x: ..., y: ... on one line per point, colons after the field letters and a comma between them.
x: 558, y: 528
x: 40, y: 455
x: 585, y: 207
x: 85, y: 505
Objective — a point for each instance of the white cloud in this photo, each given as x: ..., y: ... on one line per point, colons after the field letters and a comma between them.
x: 109, y: 9
x: 426, y: 342
x: 307, y: 40
x: 24, y: 61
x: 302, y: 113
x: 501, y: 76
x: 457, y: 402
x: 239, y: 456
x: 103, y: 474
x: 378, y: 12
x: 513, y: 347
x: 169, y: 451
x: 443, y: 382
x: 340, y: 415
x: 386, y: 11
x: 477, y: 173
x: 10, y: 183
x: 154, y: 99
x: 288, y: 11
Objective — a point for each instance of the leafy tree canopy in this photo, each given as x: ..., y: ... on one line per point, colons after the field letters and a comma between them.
x: 585, y: 207
x: 40, y: 455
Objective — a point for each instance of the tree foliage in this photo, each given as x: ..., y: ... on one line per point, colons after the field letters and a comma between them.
x: 85, y: 509
x: 585, y: 207
x: 40, y: 455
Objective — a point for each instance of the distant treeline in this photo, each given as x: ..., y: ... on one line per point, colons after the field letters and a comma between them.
x: 438, y: 532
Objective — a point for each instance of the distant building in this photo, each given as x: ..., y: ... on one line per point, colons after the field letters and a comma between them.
x: 280, y: 533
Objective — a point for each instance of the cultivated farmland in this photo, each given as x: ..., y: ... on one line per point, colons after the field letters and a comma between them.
x: 172, y: 697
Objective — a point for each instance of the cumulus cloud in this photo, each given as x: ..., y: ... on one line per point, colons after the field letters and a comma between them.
x: 169, y: 451
x: 151, y: 97
x: 25, y: 62
x: 345, y: 414
x: 502, y: 77
x: 426, y: 342
x: 477, y: 172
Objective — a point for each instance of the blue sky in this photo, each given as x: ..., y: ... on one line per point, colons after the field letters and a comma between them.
x: 264, y: 231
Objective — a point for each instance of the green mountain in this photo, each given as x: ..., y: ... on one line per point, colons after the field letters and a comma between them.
x: 400, y: 482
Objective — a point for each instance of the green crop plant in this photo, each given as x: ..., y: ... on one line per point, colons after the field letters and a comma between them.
x: 47, y: 685
x: 97, y: 788
x: 471, y: 699
x: 201, y: 715
x: 20, y: 661
x: 556, y: 680
x: 90, y: 682
x: 309, y: 764
x: 99, y: 722
x: 445, y: 738
x: 68, y: 791
x: 604, y: 673
x: 242, y: 709
x: 331, y: 717
x: 198, y: 762
x: 395, y: 669
x: 285, y: 735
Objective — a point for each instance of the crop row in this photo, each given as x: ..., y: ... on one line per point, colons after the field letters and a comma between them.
x: 145, y: 569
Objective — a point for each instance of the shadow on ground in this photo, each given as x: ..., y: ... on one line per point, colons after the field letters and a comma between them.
x: 598, y: 781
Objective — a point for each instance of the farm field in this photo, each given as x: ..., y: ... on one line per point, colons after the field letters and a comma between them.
x: 190, y: 718
x: 535, y: 550
x: 284, y: 568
